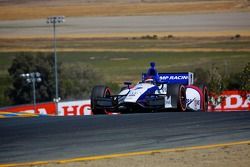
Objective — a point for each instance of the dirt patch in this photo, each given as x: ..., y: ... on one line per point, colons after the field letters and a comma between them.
x: 229, y: 156
x: 19, y: 11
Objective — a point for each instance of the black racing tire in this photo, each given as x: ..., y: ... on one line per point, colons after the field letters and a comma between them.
x: 182, y: 104
x: 178, y: 92
x: 205, y: 98
x: 99, y: 91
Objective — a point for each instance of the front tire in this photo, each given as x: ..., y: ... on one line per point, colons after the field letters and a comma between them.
x: 97, y: 92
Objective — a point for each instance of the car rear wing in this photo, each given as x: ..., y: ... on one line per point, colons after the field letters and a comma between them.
x: 185, y: 78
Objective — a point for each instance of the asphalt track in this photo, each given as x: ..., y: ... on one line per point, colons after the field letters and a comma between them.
x: 60, y: 138
x: 202, y: 22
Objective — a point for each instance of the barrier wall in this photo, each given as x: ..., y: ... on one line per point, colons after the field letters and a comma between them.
x: 41, y: 108
x: 228, y: 101
x: 71, y: 108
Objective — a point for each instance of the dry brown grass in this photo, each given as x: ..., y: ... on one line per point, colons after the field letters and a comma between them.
x: 125, y: 44
x: 17, y: 12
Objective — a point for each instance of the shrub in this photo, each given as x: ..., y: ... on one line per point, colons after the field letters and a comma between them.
x: 77, y: 81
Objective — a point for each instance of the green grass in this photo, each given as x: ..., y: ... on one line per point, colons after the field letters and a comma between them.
x: 119, y: 66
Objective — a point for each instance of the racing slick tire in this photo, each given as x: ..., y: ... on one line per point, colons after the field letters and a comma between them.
x: 99, y: 91
x: 205, y: 98
x: 178, y: 93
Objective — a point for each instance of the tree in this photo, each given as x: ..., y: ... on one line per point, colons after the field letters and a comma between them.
x: 201, y: 77
x: 211, y: 78
x: 245, y: 78
x: 233, y: 82
x: 20, y: 92
x: 215, y: 80
x: 77, y: 80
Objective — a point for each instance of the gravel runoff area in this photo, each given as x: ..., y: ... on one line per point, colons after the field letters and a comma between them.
x: 227, y: 155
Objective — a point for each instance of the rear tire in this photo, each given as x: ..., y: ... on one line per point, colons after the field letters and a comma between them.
x: 181, y: 104
x: 205, y: 98
x: 99, y: 91
x: 178, y: 95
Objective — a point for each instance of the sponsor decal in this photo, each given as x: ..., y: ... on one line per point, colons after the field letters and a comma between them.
x: 73, y: 108
x: 230, y: 101
x: 132, y: 93
x: 195, y: 101
x: 193, y: 95
x: 136, y: 88
x: 168, y: 101
x: 42, y: 108
x: 173, y: 77
x: 189, y: 101
x: 182, y: 78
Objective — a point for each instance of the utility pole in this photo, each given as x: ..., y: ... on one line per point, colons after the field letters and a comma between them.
x: 55, y: 20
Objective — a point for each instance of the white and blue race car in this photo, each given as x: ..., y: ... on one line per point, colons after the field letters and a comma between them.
x: 171, y: 92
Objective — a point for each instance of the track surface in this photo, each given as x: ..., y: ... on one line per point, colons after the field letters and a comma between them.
x: 52, y: 138
x: 206, y: 22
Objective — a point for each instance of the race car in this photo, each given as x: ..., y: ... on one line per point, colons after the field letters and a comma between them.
x: 171, y: 92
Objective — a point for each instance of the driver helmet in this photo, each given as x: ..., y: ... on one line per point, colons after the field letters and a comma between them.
x: 152, y: 72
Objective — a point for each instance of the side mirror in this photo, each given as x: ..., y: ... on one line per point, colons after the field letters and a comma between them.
x: 127, y: 83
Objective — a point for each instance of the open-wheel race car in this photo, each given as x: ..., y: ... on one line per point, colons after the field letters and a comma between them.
x: 165, y: 92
